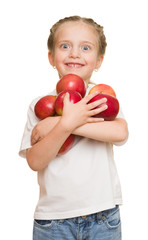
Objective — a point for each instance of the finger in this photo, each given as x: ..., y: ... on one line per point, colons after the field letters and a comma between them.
x: 34, y: 141
x: 98, y: 110
x: 66, y: 97
x: 94, y: 120
x: 90, y: 96
x: 97, y: 103
x: 34, y: 138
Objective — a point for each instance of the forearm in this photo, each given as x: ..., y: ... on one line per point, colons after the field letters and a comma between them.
x: 107, y: 131
x: 41, y: 153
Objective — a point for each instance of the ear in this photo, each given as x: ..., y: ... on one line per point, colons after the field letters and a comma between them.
x: 99, y: 62
x: 51, y: 58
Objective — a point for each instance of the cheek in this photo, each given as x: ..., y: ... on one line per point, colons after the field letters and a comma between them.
x: 58, y: 57
x: 92, y: 64
x: 92, y: 60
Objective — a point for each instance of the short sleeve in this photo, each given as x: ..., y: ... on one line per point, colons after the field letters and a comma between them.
x: 120, y: 115
x: 32, y: 120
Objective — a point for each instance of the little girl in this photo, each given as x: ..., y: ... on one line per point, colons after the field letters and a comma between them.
x: 79, y: 191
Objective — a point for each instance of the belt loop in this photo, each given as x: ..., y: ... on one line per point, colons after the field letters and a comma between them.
x: 99, y: 215
x: 60, y: 221
x: 79, y: 220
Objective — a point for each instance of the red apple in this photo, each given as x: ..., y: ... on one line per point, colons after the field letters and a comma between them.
x: 113, y: 106
x: 74, y: 98
x: 67, y: 145
x: 103, y: 88
x: 45, y: 107
x: 71, y: 82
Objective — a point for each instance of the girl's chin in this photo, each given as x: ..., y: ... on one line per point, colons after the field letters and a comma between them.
x: 74, y: 71
x: 71, y: 71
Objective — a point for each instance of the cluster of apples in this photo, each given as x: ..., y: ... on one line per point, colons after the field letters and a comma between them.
x: 52, y: 105
x: 112, y: 102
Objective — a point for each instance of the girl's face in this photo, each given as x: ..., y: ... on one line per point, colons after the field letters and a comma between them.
x: 76, y: 50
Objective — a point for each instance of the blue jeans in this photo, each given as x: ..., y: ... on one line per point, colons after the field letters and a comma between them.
x: 105, y: 225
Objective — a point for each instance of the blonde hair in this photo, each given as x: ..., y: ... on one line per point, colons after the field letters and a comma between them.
x: 101, y: 37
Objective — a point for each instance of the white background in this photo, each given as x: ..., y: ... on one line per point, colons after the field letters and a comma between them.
x: 25, y: 74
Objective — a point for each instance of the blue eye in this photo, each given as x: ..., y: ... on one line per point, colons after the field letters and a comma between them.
x: 65, y: 46
x: 85, y: 47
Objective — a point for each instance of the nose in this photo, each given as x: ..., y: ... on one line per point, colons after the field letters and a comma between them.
x: 74, y: 53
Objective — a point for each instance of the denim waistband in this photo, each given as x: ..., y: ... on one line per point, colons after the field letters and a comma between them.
x: 95, y: 216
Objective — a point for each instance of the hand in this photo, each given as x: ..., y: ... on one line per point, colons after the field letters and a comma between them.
x: 43, y: 128
x: 80, y: 113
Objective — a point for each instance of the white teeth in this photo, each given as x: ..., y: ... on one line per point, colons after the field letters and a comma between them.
x: 74, y: 65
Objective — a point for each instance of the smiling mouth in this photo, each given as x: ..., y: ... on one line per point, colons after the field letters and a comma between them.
x: 74, y: 65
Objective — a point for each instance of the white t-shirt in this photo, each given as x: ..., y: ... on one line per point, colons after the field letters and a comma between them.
x: 81, y: 182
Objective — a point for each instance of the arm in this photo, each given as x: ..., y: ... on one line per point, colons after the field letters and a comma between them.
x: 41, y: 153
x: 74, y: 116
x: 107, y: 131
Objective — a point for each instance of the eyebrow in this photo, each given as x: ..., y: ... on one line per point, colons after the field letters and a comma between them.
x: 68, y: 41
